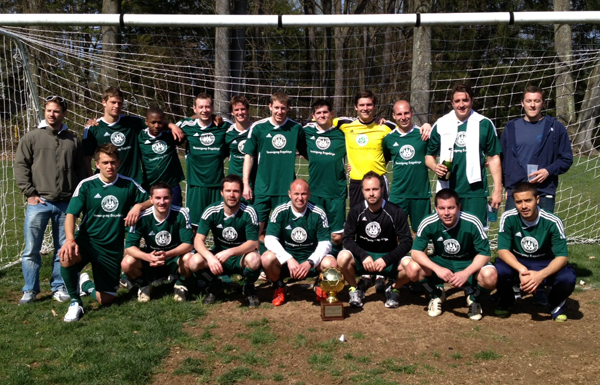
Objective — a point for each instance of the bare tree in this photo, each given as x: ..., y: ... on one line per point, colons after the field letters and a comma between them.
x: 111, y: 39
x: 222, y: 67
x: 421, y: 66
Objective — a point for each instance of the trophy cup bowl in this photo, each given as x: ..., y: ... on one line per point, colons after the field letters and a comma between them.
x: 332, y: 282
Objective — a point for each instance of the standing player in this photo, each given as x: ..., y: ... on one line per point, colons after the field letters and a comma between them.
x: 461, y: 255
x: 168, y: 236
x: 410, y: 185
x: 326, y: 149
x: 48, y: 168
x: 158, y: 149
x: 237, y: 134
x: 376, y: 238
x: 464, y: 136
x: 539, y: 140
x: 234, y: 226
x: 297, y: 241
x: 105, y: 200
x: 206, y: 151
x: 272, y: 144
x: 532, y: 251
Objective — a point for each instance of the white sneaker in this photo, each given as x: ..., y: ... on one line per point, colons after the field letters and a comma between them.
x: 144, y: 293
x: 180, y: 293
x: 74, y: 313
x: 475, y: 311
x: 84, y: 277
x: 434, y: 308
x: 61, y: 295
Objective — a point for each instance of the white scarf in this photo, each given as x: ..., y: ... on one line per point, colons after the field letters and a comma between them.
x: 447, y: 127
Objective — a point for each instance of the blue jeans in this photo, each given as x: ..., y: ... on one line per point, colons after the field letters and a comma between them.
x: 36, y: 221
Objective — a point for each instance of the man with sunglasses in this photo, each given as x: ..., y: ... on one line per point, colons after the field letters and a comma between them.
x: 48, y: 167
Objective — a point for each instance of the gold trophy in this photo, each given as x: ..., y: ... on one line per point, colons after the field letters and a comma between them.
x: 332, y: 282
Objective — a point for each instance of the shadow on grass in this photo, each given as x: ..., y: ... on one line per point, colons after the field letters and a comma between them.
x: 580, y: 271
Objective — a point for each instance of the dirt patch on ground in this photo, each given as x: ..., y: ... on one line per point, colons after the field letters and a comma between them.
x: 291, y: 345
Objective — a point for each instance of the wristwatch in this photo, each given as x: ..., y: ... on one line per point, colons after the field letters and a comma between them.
x: 311, y: 263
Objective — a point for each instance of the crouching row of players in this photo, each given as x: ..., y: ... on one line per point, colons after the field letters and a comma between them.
x: 531, y: 243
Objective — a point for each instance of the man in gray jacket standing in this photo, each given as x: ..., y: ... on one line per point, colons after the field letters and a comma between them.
x: 48, y: 167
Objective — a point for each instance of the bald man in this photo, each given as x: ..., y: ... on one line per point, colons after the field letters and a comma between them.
x: 406, y: 148
x: 297, y: 241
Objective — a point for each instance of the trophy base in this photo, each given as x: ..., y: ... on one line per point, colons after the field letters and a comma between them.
x: 332, y: 311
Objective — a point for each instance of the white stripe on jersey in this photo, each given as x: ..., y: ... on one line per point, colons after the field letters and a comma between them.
x: 76, y: 192
x: 185, y: 213
x: 473, y: 219
x: 427, y: 221
x: 251, y: 212
x: 506, y: 214
x: 278, y: 210
x: 254, y: 124
x: 556, y: 220
x: 212, y: 210
x: 320, y: 212
x: 136, y: 183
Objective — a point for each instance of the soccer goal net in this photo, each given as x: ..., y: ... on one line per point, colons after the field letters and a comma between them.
x: 168, y: 66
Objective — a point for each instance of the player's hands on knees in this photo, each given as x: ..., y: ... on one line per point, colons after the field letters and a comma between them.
x: 68, y: 251
x: 369, y: 264
x: 379, y: 265
x: 440, y: 170
x: 459, y: 279
x: 215, y: 266
x: 156, y: 258
x: 443, y: 273
x: 531, y: 280
x: 247, y: 194
x: 223, y: 256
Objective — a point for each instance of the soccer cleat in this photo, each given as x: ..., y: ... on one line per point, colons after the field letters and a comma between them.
x: 557, y: 313
x: 61, y: 295
x: 250, y: 292
x: 125, y: 283
x: 561, y: 318
x: 74, y: 313
x: 321, y: 294
x: 434, y: 308
x: 83, y: 278
x: 392, y: 297
x: 365, y: 283
x: 475, y: 311
x: 29, y: 296
x: 144, y: 293
x: 356, y: 297
x: 380, y: 285
x: 502, y: 313
x: 209, y: 299
x: 279, y: 296
x: 180, y: 293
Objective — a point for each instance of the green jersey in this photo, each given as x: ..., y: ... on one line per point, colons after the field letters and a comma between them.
x: 299, y: 235
x: 206, y: 151
x: 229, y: 231
x: 410, y: 174
x: 489, y: 145
x: 326, y: 170
x: 236, y: 140
x: 465, y: 240
x: 104, y: 206
x: 160, y: 161
x: 543, y: 239
x: 274, y: 151
x: 163, y: 235
x: 124, y: 134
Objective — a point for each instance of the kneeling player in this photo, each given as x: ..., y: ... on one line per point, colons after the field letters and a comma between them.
x: 168, y: 235
x: 461, y: 255
x: 376, y: 237
x: 234, y: 226
x: 532, y: 251
x: 297, y: 241
x: 105, y: 199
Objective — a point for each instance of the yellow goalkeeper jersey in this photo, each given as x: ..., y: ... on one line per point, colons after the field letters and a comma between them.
x: 364, y: 145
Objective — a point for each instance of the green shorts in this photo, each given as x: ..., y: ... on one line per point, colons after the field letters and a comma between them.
x: 476, y: 207
x: 335, y: 210
x: 233, y: 265
x: 198, y: 198
x: 152, y: 273
x: 415, y: 209
x: 456, y: 265
x: 106, y: 265
x: 390, y: 271
x: 264, y: 204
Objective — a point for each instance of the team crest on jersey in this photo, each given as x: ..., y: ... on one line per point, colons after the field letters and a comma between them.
x: 299, y: 235
x: 362, y: 140
x: 159, y: 147
x: 109, y: 203
x: 323, y: 142
x: 117, y: 138
x: 529, y: 244
x: 451, y: 246
x: 373, y: 229
x: 241, y: 146
x: 229, y: 233
x: 163, y: 238
x: 461, y: 139
x: 279, y: 141
x: 407, y: 152
x: 207, y: 138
